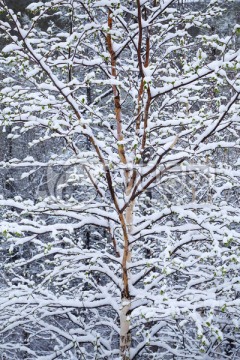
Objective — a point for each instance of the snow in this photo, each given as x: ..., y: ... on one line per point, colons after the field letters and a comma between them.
x: 10, y: 48
x: 35, y: 6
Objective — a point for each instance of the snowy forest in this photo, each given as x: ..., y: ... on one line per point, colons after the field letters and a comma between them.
x: 119, y: 179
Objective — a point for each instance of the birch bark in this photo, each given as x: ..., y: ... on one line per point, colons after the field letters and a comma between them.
x: 125, y: 330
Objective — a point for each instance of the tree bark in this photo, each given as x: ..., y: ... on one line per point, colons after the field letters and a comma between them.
x: 125, y: 331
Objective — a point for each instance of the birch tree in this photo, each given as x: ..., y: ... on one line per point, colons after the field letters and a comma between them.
x: 140, y: 259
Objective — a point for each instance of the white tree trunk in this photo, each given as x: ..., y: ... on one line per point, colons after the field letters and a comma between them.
x: 125, y: 334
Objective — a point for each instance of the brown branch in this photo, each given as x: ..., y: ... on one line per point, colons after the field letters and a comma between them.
x: 70, y: 101
x: 126, y: 293
x: 192, y: 79
x: 114, y: 245
x: 117, y: 105
x: 220, y: 120
x: 146, y: 114
x: 92, y: 181
x: 139, y: 38
x: 136, y: 193
x: 148, y: 104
